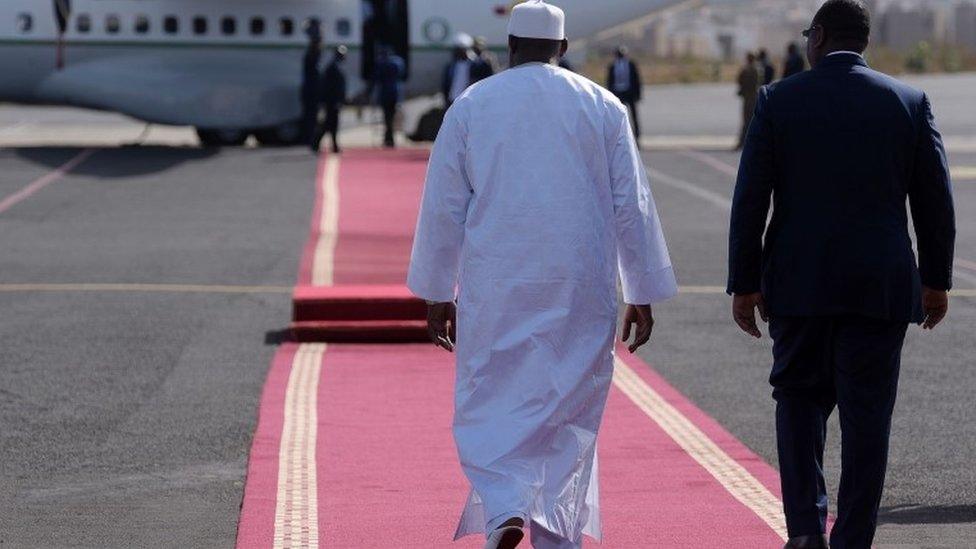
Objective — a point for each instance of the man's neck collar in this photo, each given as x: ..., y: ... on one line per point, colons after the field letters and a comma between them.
x: 844, y: 52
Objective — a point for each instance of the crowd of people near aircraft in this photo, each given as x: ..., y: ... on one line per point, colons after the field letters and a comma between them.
x: 324, y: 92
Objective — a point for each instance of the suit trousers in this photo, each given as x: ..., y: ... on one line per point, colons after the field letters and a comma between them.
x: 820, y: 363
x: 389, y: 119
x: 329, y: 126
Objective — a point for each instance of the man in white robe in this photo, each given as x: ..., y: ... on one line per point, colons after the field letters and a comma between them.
x: 534, y: 193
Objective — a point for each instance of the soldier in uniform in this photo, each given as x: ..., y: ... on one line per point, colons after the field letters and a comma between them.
x: 749, y: 92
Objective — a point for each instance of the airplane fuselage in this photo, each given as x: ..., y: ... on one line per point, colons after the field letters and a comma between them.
x: 237, y: 65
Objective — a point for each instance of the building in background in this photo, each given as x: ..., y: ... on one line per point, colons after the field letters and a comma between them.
x: 964, y: 31
x: 726, y: 29
x: 904, y: 26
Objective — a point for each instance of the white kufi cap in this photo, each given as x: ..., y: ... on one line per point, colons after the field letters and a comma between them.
x: 536, y: 19
x: 463, y: 41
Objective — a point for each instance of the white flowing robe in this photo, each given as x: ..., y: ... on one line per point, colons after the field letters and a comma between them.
x: 534, y: 193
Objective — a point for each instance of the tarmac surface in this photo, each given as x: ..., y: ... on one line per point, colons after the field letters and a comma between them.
x: 143, y: 293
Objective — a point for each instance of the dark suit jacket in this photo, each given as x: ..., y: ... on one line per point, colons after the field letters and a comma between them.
x: 794, y: 65
x: 333, y: 90
x: 631, y: 95
x: 840, y: 149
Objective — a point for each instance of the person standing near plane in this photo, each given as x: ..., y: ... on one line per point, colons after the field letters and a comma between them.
x: 332, y: 97
x: 458, y: 72
x: 794, y: 63
x: 768, y: 72
x: 310, y: 83
x: 535, y: 193
x: 748, y: 80
x: 623, y: 79
x: 387, y: 84
x: 485, y: 62
x: 840, y: 149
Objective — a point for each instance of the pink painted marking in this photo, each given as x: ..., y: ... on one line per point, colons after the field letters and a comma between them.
x: 43, y: 181
x: 387, y: 467
x: 315, y: 229
x: 757, y: 467
x: 388, y: 471
x: 256, y: 526
x: 379, y: 198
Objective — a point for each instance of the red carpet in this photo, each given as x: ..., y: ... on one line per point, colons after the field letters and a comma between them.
x: 354, y: 448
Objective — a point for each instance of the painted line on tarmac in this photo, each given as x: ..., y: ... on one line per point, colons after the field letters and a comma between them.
x: 735, y: 478
x: 43, y: 181
x: 963, y: 173
x: 218, y: 288
x: 296, y: 522
x: 13, y: 128
x: 725, y: 203
x: 718, y: 165
x: 716, y: 199
x: 965, y: 270
x: 958, y: 173
x: 967, y: 276
x: 147, y: 288
x: 327, y: 231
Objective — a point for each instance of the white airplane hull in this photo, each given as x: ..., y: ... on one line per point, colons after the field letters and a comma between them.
x: 240, y: 82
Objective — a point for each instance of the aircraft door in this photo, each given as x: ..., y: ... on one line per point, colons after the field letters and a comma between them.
x: 385, y: 22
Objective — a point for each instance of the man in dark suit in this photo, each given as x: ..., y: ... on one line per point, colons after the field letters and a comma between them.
x: 332, y: 96
x: 387, y: 85
x: 310, y: 81
x: 768, y: 71
x: 623, y: 79
x: 794, y: 63
x: 840, y: 148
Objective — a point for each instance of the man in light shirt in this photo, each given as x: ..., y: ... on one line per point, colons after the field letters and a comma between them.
x: 457, y: 73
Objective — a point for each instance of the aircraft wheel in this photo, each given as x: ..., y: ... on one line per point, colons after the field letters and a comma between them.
x: 221, y: 138
x: 289, y: 133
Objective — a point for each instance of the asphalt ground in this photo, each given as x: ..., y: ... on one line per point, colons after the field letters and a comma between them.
x: 127, y: 411
x: 127, y: 415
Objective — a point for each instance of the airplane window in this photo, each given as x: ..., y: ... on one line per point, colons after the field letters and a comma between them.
x: 228, y: 25
x: 311, y: 22
x: 171, y: 24
x: 25, y: 23
x: 112, y: 24
x: 343, y: 27
x: 199, y: 25
x: 286, y: 26
x: 142, y: 24
x: 83, y: 22
x: 257, y: 25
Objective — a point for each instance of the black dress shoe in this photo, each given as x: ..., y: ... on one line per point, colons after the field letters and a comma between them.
x: 818, y: 541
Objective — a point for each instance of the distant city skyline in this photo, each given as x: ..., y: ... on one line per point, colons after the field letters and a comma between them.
x: 726, y: 29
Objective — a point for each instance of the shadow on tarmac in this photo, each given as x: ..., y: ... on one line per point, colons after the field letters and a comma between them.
x: 927, y: 514
x: 130, y: 160
x: 277, y: 337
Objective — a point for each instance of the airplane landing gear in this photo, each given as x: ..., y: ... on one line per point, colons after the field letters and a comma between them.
x: 221, y: 138
x: 289, y: 133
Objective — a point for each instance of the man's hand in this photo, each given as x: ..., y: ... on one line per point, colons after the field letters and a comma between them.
x: 935, y: 303
x: 744, y: 312
x: 442, y: 324
x: 642, y: 316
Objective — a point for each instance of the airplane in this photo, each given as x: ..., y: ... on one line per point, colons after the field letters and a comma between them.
x: 232, y: 68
